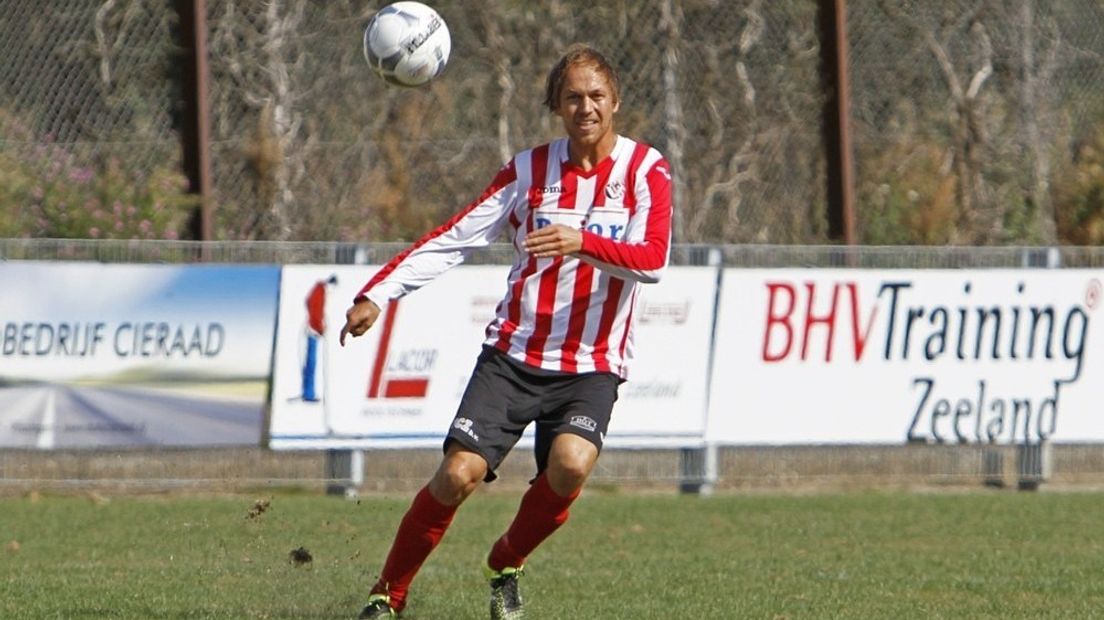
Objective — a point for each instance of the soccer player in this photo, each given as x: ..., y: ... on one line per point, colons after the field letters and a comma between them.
x: 589, y: 216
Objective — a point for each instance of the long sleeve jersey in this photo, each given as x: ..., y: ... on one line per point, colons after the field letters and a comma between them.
x: 573, y: 313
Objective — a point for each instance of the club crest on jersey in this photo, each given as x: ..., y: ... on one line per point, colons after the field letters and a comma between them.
x: 615, y: 190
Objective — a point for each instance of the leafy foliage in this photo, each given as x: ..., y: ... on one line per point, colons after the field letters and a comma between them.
x: 47, y: 190
x: 1079, y: 193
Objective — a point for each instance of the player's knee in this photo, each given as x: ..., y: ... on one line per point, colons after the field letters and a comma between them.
x: 569, y: 472
x: 456, y: 479
x: 575, y: 470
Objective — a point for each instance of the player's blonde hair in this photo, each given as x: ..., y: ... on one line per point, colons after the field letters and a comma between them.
x: 579, y: 54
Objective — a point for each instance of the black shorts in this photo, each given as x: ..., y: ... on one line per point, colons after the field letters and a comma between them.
x: 504, y: 396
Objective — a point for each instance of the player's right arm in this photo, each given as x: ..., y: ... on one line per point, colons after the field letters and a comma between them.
x: 441, y: 249
x: 359, y: 318
x: 643, y: 252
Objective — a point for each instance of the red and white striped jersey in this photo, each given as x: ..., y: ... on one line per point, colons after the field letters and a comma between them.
x: 569, y: 314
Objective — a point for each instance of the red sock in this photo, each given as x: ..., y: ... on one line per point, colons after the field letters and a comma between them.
x: 421, y: 529
x: 542, y: 512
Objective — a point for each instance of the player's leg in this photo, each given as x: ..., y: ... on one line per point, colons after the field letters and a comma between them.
x: 458, y: 475
x: 569, y: 464
x: 544, y: 507
x: 489, y: 421
x: 426, y: 521
x: 569, y: 439
x: 570, y: 434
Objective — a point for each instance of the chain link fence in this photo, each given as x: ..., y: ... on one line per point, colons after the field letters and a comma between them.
x: 731, y: 255
x: 315, y: 147
x: 819, y: 467
x: 975, y: 121
x: 88, y: 97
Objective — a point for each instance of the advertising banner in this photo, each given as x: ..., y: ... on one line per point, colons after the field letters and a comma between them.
x: 936, y: 356
x: 95, y: 355
x: 399, y: 385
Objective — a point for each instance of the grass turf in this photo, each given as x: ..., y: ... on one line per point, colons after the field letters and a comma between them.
x: 849, y: 555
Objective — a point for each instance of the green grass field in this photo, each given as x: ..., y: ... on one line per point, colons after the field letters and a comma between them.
x: 855, y: 555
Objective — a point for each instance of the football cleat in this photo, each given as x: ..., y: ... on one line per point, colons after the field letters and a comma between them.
x: 505, y: 597
x: 379, y: 606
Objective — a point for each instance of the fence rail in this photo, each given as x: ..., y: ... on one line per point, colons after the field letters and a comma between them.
x: 344, y: 253
x: 737, y: 468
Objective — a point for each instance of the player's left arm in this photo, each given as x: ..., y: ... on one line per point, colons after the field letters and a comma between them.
x: 643, y: 251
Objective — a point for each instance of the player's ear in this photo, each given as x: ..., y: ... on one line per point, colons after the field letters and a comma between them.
x: 616, y: 105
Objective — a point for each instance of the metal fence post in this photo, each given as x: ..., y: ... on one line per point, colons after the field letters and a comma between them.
x: 992, y: 466
x: 344, y: 472
x: 1034, y: 462
x: 698, y: 469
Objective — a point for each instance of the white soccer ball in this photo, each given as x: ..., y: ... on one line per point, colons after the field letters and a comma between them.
x: 407, y: 43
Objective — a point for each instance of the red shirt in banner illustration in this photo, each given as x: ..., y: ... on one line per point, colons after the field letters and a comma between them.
x: 313, y: 331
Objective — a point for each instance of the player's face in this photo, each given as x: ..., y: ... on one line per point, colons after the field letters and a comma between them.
x: 587, y: 106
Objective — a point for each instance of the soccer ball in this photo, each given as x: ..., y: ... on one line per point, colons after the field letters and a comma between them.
x: 407, y: 43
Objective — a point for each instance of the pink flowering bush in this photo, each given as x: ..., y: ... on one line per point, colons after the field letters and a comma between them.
x: 47, y: 190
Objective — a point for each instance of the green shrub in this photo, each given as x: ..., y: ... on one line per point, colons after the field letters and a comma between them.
x: 49, y: 190
x: 1078, y: 194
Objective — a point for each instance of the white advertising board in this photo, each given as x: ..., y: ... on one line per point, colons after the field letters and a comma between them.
x: 95, y: 355
x: 848, y: 356
x: 400, y: 383
x: 663, y: 404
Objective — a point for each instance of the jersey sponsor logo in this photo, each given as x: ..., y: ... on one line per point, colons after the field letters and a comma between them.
x: 602, y: 228
x: 586, y: 423
x: 464, y: 425
x: 551, y: 189
x: 548, y: 216
x: 607, y: 222
x: 668, y: 312
x: 611, y: 231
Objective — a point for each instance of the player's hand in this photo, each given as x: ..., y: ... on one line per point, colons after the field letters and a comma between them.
x: 358, y: 318
x: 554, y: 240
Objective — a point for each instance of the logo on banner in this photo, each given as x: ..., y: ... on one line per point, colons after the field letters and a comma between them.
x: 942, y: 339
x: 399, y: 374
x: 483, y: 308
x: 664, y: 312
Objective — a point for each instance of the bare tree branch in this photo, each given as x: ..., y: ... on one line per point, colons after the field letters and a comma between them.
x: 104, y: 48
x: 986, y: 70
x: 670, y: 18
